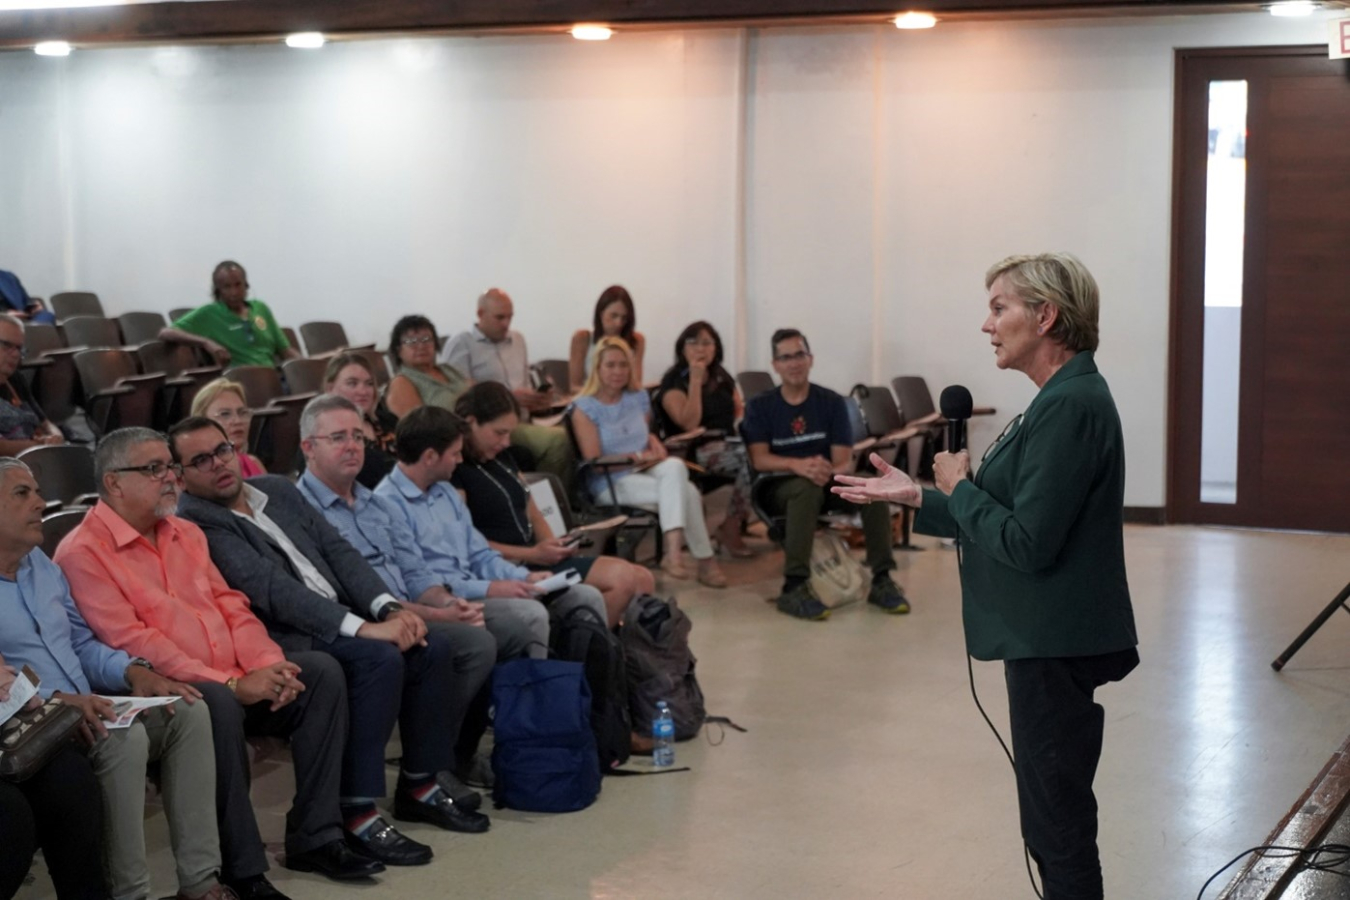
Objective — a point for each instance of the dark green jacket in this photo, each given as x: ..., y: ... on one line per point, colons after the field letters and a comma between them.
x: 1041, y: 530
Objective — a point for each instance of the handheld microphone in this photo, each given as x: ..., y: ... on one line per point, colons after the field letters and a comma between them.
x: 956, y: 405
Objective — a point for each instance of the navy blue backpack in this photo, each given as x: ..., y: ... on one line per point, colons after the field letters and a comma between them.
x: 543, y: 756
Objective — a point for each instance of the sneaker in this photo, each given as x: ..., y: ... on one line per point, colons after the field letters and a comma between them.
x: 887, y: 595
x: 803, y: 603
x: 477, y: 773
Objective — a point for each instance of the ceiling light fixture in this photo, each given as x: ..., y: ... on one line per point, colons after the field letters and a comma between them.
x: 588, y: 31
x: 52, y: 48
x: 915, y: 20
x: 305, y: 40
x: 1293, y: 8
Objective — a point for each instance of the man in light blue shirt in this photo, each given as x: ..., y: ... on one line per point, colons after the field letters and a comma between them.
x: 41, y: 628
x: 429, y: 445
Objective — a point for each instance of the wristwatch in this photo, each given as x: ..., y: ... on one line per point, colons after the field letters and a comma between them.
x: 138, y: 661
x: 388, y: 610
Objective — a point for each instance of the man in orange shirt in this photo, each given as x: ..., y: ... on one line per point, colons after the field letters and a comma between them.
x: 144, y: 581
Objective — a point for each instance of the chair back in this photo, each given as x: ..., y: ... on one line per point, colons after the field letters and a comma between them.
x: 57, y: 525
x: 63, y: 473
x: 38, y: 338
x: 179, y: 311
x: 101, y: 369
x: 91, y: 331
x: 291, y: 338
x: 262, y: 384
x: 880, y: 415
x: 116, y: 394
x: 753, y: 383
x: 139, y: 327
x: 557, y: 373
x: 75, y: 303
x: 913, y: 397
x: 275, y: 439
x: 323, y: 337
x: 304, y: 375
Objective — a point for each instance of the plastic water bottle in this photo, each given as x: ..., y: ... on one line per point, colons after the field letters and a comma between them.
x: 663, y: 737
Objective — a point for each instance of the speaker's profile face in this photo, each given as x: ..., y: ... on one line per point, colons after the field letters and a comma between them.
x: 1011, y: 327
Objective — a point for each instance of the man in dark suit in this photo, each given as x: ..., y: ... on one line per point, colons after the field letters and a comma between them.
x: 314, y: 590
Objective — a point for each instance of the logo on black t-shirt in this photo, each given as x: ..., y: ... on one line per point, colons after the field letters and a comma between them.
x: 799, y: 425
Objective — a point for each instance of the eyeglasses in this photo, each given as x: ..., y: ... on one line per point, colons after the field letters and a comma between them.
x: 229, y: 415
x: 155, y: 470
x: 1007, y: 430
x: 11, y: 346
x: 793, y: 357
x: 699, y: 342
x: 417, y: 341
x: 205, y: 462
x: 340, y: 438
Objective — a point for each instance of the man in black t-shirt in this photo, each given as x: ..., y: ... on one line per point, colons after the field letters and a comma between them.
x: 802, y: 429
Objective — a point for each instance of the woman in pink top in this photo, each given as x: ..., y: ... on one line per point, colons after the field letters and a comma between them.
x: 222, y: 401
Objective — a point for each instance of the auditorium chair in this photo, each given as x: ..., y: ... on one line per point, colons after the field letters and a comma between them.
x: 753, y: 383
x: 323, y: 337
x: 181, y: 364
x: 274, y: 436
x: 304, y: 375
x: 75, y: 303
x: 139, y: 327
x: 50, y: 367
x: 56, y: 526
x: 91, y: 331
x: 64, y: 474
x: 641, y: 520
x: 178, y: 312
x: 116, y: 394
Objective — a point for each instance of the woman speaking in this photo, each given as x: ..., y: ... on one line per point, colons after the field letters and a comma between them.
x: 1042, y: 556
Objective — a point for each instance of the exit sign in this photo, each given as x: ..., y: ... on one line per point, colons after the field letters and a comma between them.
x: 1339, y: 47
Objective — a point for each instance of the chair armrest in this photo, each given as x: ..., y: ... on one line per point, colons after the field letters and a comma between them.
x: 109, y: 393
x: 268, y: 412
x: 37, y: 362
x: 983, y: 411
x: 931, y: 419
x: 864, y: 445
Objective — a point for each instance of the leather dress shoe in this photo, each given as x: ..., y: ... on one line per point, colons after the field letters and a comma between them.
x: 442, y: 812
x: 255, y: 888
x: 383, y: 842
x: 465, y: 797
x: 335, y: 860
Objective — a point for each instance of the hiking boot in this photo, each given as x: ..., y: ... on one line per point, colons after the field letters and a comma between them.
x: 887, y: 595
x: 803, y: 603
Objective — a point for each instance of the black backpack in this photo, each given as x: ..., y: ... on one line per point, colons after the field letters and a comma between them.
x: 582, y: 637
x: 655, y: 639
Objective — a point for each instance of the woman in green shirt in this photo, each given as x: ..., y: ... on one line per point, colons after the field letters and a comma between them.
x: 1040, y: 534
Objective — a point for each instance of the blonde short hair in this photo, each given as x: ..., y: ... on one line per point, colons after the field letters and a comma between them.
x: 592, y: 386
x: 212, y: 390
x: 1061, y: 280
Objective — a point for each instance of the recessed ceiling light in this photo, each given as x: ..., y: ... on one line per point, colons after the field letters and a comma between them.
x: 52, y: 48
x: 592, y: 32
x: 1293, y: 8
x: 305, y: 40
x: 915, y: 20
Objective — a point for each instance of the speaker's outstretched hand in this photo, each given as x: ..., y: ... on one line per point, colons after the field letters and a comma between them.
x: 890, y: 485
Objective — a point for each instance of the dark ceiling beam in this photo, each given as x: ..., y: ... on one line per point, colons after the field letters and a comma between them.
x: 247, y: 19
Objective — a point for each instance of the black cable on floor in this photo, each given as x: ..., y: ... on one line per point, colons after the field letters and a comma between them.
x: 1312, y: 858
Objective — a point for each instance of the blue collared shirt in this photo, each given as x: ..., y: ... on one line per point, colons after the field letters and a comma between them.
x: 378, y: 529
x: 456, y: 552
x: 41, y: 628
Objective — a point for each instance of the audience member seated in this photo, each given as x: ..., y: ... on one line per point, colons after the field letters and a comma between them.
x: 429, y: 443
x: 23, y: 424
x: 802, y: 430
x: 418, y: 379
x: 491, y: 351
x: 145, y: 582
x: 612, y: 418
x: 315, y: 591
x: 222, y: 401
x: 19, y: 304
x: 695, y: 393
x: 331, y: 427
x: 233, y: 328
x: 614, y: 317
x: 348, y: 375
x: 506, y: 514
x: 41, y: 628
x: 58, y: 810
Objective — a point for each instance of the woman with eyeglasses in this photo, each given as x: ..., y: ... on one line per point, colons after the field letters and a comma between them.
x: 1042, y: 555
x: 614, y: 317
x: 23, y: 424
x: 349, y: 375
x: 697, y: 392
x: 223, y: 401
x: 420, y: 380
x: 612, y: 417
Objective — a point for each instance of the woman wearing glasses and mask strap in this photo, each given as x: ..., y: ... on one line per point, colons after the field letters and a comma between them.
x: 223, y: 401
x: 1042, y: 556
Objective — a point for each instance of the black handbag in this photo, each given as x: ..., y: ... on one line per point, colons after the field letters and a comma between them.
x: 31, y: 737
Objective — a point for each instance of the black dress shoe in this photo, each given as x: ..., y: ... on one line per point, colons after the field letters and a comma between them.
x: 255, y: 888
x: 383, y: 842
x: 465, y: 797
x: 335, y: 860
x: 441, y: 811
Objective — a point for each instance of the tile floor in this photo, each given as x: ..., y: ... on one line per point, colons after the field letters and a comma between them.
x: 867, y: 771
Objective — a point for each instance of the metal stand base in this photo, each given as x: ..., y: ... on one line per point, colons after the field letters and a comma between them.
x: 1308, y: 632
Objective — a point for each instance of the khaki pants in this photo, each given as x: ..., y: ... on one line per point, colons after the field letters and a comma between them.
x: 182, y: 745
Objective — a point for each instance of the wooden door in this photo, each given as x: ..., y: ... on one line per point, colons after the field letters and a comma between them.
x: 1293, y: 374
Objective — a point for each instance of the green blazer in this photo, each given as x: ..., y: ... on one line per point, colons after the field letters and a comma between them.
x: 1041, y: 528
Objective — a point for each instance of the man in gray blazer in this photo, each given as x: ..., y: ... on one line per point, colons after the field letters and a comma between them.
x: 314, y: 590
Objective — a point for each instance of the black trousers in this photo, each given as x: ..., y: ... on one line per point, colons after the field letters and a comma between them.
x: 59, y: 810
x: 1056, y: 742
x: 316, y: 724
